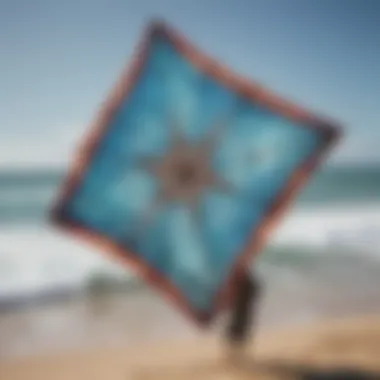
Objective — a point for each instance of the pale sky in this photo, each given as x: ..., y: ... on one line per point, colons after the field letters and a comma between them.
x: 58, y: 60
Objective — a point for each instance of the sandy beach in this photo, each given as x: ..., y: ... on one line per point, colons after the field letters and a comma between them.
x: 142, y: 316
x: 338, y: 347
x: 300, y: 332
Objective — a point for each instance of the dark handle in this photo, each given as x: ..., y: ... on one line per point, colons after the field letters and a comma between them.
x: 243, y: 309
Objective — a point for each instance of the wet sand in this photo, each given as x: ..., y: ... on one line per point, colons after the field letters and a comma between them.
x: 143, y: 317
x: 350, y: 347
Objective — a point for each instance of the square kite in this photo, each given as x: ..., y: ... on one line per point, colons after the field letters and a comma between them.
x: 186, y: 171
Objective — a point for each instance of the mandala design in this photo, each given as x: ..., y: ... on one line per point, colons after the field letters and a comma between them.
x: 186, y: 169
x: 185, y: 173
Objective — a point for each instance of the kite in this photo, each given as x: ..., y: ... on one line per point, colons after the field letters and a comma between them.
x: 186, y: 171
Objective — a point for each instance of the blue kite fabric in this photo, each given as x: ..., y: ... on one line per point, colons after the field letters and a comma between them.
x: 186, y: 170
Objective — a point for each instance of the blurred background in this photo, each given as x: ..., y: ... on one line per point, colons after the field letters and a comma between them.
x: 58, y: 60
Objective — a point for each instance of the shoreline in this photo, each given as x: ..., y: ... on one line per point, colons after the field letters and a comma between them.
x: 116, y: 319
x: 118, y: 313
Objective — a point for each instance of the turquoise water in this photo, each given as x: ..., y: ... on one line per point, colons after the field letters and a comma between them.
x: 25, y: 196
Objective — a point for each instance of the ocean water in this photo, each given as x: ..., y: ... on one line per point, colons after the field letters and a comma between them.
x: 335, y: 220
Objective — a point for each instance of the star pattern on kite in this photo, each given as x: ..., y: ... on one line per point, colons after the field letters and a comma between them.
x: 185, y: 172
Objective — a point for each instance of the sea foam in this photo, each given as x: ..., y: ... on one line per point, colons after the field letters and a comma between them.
x: 33, y: 259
